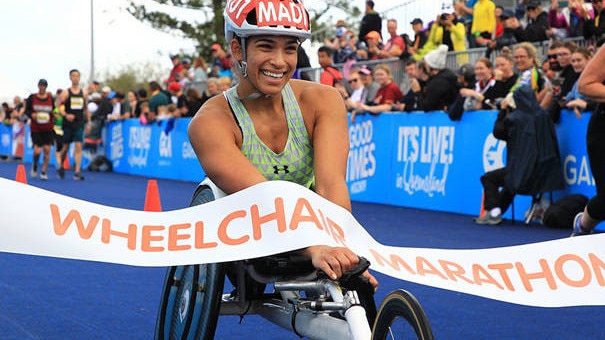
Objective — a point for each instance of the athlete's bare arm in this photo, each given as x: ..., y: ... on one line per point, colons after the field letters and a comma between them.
x: 326, y: 119
x: 591, y: 80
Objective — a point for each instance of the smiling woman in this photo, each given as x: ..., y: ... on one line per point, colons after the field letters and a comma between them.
x: 270, y: 127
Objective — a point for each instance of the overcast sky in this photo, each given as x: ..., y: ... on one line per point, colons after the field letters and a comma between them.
x: 47, y: 38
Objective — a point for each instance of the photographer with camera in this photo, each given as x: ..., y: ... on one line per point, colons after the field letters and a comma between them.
x: 445, y: 31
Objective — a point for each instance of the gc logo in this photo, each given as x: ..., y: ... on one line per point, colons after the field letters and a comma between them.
x: 493, y: 153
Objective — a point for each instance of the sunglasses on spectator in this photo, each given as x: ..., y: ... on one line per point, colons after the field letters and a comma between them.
x: 552, y: 56
x: 354, y: 80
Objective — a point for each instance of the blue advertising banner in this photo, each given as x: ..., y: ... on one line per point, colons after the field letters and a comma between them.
x: 419, y: 160
x: 158, y: 150
x: 6, y: 140
x: 424, y: 160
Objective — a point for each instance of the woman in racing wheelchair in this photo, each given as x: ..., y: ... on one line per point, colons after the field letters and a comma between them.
x: 271, y: 127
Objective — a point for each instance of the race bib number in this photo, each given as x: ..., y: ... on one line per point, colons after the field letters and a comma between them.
x: 76, y: 103
x: 42, y: 117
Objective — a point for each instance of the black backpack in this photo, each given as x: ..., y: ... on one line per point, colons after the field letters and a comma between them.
x: 561, y: 213
x: 100, y: 163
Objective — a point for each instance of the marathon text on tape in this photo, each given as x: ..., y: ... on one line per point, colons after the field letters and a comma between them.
x: 277, y: 216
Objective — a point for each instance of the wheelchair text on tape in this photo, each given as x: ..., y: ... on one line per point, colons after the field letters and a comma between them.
x: 275, y: 217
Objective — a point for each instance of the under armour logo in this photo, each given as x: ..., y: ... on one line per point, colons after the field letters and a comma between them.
x: 277, y: 169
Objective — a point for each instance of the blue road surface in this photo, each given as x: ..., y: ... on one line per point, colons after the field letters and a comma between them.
x: 49, y: 298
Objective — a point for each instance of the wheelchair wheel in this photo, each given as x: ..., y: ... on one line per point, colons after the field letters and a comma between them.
x: 401, y: 316
x: 191, y: 296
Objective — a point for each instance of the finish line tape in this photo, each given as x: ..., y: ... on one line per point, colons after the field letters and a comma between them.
x: 275, y: 217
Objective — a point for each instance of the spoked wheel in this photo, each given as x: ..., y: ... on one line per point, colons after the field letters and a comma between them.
x: 191, y: 297
x: 401, y: 317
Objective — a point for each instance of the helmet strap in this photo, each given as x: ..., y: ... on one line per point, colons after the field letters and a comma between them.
x: 243, y: 68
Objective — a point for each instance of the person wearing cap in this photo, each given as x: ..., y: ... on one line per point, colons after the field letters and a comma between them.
x: 339, y: 30
x: 39, y: 107
x: 76, y: 122
x: 510, y: 35
x: 271, y: 127
x: 179, y: 99
x: 177, y: 69
x: 388, y: 94
x: 187, y: 73
x: 374, y: 43
x: 537, y: 28
x: 343, y: 45
x: 420, y: 36
x: 442, y: 85
x: 446, y: 31
x: 222, y: 61
x: 370, y: 86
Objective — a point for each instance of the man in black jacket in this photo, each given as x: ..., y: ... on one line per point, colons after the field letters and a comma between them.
x: 537, y: 24
x: 442, y: 86
x: 371, y: 21
x: 533, y: 161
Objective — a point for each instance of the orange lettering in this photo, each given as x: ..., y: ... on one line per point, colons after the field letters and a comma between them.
x: 73, y: 216
x: 222, y: 229
x: 544, y: 274
x: 298, y: 217
x: 501, y: 268
x: 336, y: 231
x: 131, y: 235
x: 394, y: 263
x: 597, y: 265
x: 147, y: 238
x: 279, y: 216
x: 424, y: 267
x: 560, y: 262
x: 454, y: 271
x: 199, y: 239
x: 174, y: 236
x: 480, y: 275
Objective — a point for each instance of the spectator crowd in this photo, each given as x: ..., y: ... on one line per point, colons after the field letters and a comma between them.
x: 507, y: 36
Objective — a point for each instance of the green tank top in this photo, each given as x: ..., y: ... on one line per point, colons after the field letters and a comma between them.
x: 295, y: 163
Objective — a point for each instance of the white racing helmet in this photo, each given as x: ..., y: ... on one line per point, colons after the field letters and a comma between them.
x: 245, y: 18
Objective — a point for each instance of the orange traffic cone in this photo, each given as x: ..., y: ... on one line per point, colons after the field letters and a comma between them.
x: 482, y: 211
x: 21, y: 177
x: 66, y: 162
x: 152, y: 197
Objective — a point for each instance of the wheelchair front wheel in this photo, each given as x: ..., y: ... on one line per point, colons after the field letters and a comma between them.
x: 191, y: 297
x: 190, y: 302
x: 400, y: 312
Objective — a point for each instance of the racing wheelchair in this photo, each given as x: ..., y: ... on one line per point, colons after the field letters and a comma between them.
x: 286, y: 290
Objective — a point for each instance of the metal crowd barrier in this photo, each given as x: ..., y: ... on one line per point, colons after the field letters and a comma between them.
x: 454, y: 60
